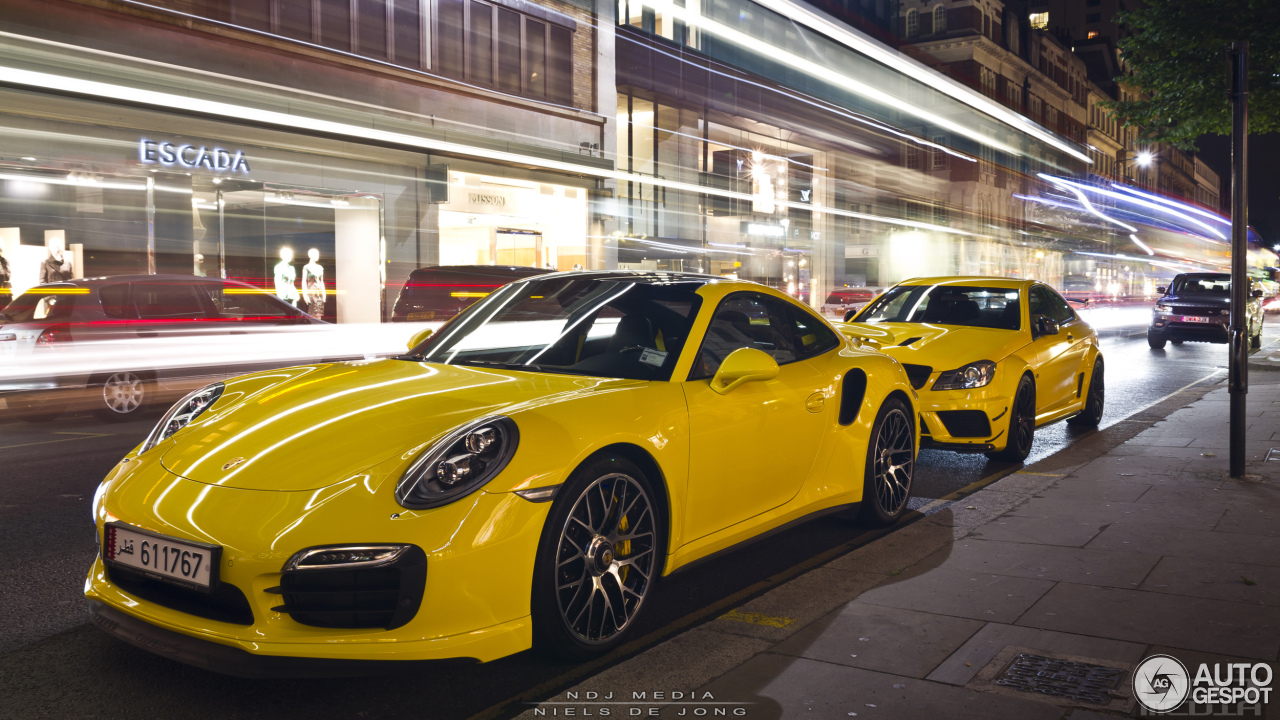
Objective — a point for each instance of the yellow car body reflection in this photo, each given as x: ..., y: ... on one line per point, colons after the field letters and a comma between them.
x: 1032, y: 339
x: 731, y: 437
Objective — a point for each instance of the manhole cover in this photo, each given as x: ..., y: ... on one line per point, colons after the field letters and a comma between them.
x: 1062, y: 678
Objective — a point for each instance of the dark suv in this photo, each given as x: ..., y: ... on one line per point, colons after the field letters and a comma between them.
x: 1196, y: 307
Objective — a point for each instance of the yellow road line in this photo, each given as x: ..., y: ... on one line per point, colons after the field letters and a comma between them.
x: 758, y: 619
x: 79, y: 436
x: 1028, y: 472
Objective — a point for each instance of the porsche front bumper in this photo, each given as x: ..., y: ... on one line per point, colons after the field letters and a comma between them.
x: 480, y: 554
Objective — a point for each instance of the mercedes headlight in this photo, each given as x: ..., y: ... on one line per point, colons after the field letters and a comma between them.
x: 973, y: 375
x: 459, y: 463
x: 181, y: 414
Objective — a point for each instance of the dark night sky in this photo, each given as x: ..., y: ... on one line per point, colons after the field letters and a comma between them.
x: 1264, y: 178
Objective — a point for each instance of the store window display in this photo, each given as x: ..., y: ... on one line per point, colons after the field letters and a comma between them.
x: 313, y: 294
x: 286, y: 278
x: 57, y: 266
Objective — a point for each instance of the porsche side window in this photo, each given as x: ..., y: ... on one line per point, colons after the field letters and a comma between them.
x: 813, y: 336
x: 752, y: 321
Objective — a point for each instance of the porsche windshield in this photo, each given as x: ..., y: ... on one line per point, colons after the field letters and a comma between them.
x: 607, y: 326
x: 988, y: 307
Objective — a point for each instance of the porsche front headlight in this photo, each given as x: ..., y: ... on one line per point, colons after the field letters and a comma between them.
x: 459, y: 463
x: 182, y: 413
x: 973, y: 375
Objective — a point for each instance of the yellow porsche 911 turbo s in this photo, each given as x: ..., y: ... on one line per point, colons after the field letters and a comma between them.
x: 991, y: 358
x: 523, y: 477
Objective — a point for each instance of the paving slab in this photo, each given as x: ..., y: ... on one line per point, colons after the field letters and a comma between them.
x: 783, y: 686
x: 1094, y: 490
x: 1199, y: 516
x: 1049, y: 562
x: 1237, y: 582
x: 1250, y: 521
x: 1182, y: 542
x: 959, y: 593
x: 1069, y: 532
x: 1231, y: 628
x: 979, y: 509
x: 892, y: 640
x: 987, y: 643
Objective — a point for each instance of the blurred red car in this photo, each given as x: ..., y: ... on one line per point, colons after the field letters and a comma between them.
x: 62, y: 316
x: 842, y: 300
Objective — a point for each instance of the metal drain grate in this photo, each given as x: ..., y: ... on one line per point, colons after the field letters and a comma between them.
x: 1062, y: 678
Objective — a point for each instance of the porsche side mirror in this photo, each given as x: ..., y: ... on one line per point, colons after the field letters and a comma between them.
x: 1256, y: 293
x: 1162, y: 289
x: 418, y: 337
x: 743, y: 365
x: 1044, y: 325
x: 848, y: 314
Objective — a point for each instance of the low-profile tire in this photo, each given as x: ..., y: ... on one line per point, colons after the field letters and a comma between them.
x: 123, y: 396
x: 890, y: 465
x: 1095, y: 401
x: 1156, y: 340
x: 1022, y: 424
x: 600, y: 555
x: 1255, y: 341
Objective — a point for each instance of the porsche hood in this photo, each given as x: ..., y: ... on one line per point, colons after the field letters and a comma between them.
x: 308, y: 427
x: 946, y: 347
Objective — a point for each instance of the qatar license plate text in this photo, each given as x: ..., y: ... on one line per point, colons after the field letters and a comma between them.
x: 159, y: 557
x: 1193, y: 318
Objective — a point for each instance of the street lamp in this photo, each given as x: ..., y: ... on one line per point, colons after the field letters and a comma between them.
x: 1145, y: 158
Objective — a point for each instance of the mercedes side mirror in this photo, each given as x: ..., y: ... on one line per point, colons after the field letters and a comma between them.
x: 419, y: 337
x: 849, y: 314
x: 1044, y: 325
x: 744, y: 365
x: 1256, y: 293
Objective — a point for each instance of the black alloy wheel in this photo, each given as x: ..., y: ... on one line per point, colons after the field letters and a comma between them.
x: 1156, y: 340
x: 1091, y: 415
x: 890, y: 465
x: 1022, y: 424
x: 601, y: 552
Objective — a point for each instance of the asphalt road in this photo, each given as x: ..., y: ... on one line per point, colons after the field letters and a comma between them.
x: 54, y: 664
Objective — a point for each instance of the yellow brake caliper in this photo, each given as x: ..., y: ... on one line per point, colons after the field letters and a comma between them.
x: 622, y: 549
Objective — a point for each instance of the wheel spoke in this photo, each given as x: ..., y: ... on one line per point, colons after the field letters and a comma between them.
x: 618, y: 585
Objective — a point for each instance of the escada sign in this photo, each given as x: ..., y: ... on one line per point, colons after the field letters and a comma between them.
x: 186, y: 155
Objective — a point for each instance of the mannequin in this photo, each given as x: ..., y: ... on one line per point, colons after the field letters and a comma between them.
x: 57, y: 266
x: 198, y: 261
x: 285, y: 277
x: 313, y: 285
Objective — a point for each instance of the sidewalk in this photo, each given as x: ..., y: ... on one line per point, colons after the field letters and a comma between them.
x: 1147, y: 548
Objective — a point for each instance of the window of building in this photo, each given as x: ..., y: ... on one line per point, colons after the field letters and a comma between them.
x: 1092, y: 34
x: 913, y: 157
x: 1093, y: 3
x: 477, y: 41
x: 913, y: 24
x: 940, y: 19
x: 1093, y: 18
x: 939, y: 157
x: 1039, y: 21
x: 986, y: 25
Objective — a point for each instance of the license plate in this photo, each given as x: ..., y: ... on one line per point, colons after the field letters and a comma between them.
x: 1193, y: 318
x: 163, y: 558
